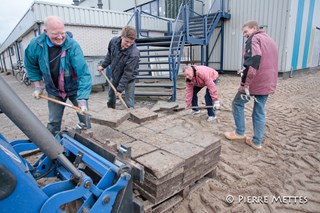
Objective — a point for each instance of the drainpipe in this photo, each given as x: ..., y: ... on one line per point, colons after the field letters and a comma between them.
x: 18, y: 50
x: 1, y: 64
x: 12, y: 70
x: 4, y: 63
x: 100, y: 4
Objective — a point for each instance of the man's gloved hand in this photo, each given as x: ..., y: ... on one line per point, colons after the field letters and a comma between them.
x: 240, y: 72
x: 216, y: 105
x: 246, y: 90
x: 245, y: 96
x: 83, y: 105
x: 38, y: 90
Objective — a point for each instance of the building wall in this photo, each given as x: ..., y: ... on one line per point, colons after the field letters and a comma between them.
x: 291, y: 23
x: 302, y: 34
x: 271, y: 14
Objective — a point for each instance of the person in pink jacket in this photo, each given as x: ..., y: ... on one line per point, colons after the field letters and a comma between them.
x: 258, y: 81
x: 198, y: 77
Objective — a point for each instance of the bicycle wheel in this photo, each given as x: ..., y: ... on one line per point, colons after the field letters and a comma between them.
x: 19, y: 76
x: 26, y: 80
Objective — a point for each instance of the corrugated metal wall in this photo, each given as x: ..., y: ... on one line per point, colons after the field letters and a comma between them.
x: 272, y: 14
x: 304, y: 17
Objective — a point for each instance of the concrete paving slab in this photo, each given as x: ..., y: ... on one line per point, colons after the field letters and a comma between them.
x: 109, y: 117
x: 139, y: 148
x: 160, y: 163
x: 142, y: 115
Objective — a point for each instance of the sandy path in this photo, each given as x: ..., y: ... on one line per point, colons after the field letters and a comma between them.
x: 271, y: 180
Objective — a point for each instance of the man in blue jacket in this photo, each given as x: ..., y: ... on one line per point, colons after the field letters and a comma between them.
x: 55, y: 59
x: 123, y: 56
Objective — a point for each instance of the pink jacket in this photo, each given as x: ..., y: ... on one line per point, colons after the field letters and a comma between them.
x: 261, y: 64
x: 204, y: 77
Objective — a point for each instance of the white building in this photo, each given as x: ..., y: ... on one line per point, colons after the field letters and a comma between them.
x: 294, y: 25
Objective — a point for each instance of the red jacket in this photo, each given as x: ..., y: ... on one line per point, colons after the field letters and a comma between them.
x: 204, y: 77
x: 261, y: 64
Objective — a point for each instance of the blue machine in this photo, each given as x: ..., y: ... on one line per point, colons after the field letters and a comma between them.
x: 20, y: 191
x: 84, y: 180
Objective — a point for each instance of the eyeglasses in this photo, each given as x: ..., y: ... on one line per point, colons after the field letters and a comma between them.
x: 58, y: 33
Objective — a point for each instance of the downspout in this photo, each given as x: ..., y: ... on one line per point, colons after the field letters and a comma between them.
x: 221, y: 47
x: 12, y: 70
x: 38, y: 29
x: 1, y: 64
x: 18, y: 50
x: 4, y: 63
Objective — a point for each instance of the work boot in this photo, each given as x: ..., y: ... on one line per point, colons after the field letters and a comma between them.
x: 234, y: 136
x: 112, y: 106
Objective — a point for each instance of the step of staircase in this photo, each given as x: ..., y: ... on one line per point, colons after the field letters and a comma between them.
x: 153, y: 93
x: 168, y: 85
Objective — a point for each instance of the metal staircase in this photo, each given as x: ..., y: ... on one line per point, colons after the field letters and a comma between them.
x: 160, y: 56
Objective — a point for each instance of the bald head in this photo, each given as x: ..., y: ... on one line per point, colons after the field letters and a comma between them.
x: 54, y: 29
x: 52, y: 20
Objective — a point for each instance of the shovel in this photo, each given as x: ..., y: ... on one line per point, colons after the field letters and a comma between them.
x: 65, y: 104
x: 200, y: 107
x: 115, y: 91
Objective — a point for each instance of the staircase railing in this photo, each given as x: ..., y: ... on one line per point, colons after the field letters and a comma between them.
x: 217, y: 7
x: 202, y: 33
x: 141, y: 18
x: 176, y: 42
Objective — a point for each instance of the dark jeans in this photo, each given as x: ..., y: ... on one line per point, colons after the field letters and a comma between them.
x: 128, y: 96
x: 207, y: 97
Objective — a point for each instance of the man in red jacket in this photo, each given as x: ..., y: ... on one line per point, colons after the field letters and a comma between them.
x: 258, y: 80
x: 198, y: 77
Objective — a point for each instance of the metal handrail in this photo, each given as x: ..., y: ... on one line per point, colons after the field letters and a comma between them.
x: 177, y: 32
x: 137, y: 14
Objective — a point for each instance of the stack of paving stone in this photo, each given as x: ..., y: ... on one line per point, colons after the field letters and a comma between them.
x: 175, y: 153
x: 173, y: 167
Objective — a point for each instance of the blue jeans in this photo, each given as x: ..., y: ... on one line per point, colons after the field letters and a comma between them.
x: 207, y: 97
x: 258, y: 116
x: 128, y: 96
x: 56, y: 113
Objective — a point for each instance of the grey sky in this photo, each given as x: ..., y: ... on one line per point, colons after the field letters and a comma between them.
x: 11, y: 11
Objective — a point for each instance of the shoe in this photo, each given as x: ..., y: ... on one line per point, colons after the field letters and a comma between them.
x: 195, y: 112
x: 234, y: 136
x: 211, y: 118
x: 250, y: 143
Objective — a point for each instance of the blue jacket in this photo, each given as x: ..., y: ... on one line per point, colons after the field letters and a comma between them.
x: 124, y: 63
x: 77, y: 78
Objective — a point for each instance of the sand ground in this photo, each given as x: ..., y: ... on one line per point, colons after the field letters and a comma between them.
x: 283, y: 177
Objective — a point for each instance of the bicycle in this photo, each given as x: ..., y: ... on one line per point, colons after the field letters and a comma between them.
x: 21, y: 74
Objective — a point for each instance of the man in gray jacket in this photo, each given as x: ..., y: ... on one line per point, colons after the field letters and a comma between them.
x: 258, y: 81
x: 123, y: 56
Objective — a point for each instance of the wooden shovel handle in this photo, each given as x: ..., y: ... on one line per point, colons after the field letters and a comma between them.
x: 114, y: 89
x: 200, y: 107
x: 64, y: 104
